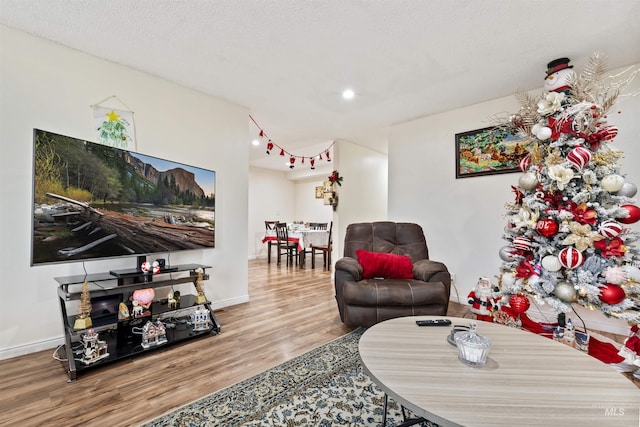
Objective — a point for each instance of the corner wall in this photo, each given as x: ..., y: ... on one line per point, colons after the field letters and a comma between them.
x: 362, y: 197
x: 47, y: 86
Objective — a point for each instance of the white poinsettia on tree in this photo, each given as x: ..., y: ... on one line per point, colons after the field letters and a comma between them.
x: 568, y: 243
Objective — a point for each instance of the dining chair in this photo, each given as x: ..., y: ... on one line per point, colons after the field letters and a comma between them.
x: 325, y: 249
x: 269, y: 226
x: 289, y: 249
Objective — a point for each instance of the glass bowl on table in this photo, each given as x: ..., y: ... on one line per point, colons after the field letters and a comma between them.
x: 473, y: 348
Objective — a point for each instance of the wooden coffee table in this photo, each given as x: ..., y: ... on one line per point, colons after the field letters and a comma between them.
x: 529, y: 380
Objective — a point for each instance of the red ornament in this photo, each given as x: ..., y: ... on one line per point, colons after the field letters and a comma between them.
x: 519, y: 303
x: 611, y: 294
x: 292, y: 160
x: 570, y: 258
x: 634, y: 214
x: 547, y: 227
x: 269, y: 147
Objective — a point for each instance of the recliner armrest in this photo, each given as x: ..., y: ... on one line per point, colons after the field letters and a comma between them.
x: 425, y: 269
x: 350, y: 266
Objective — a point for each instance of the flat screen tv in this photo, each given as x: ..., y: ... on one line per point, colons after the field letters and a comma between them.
x: 93, y: 201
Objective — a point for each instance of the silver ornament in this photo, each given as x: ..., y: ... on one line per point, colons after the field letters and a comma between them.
x: 565, y: 292
x: 506, y: 253
x: 628, y: 190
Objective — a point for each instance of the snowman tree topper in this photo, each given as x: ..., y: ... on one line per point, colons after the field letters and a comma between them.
x: 559, y: 74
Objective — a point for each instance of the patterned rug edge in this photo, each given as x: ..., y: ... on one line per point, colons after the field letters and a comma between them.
x: 157, y: 421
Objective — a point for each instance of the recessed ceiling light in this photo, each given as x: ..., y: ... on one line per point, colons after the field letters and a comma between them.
x: 348, y: 94
x: 255, y: 142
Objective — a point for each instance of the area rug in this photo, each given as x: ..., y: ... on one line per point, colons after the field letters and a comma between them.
x: 324, y: 387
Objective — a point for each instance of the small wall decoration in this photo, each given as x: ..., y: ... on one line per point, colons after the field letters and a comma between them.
x: 327, y: 191
x: 114, y: 127
x: 319, y: 192
x: 488, y: 151
x: 330, y: 193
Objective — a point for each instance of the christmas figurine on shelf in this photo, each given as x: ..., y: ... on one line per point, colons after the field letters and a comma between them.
x: 172, y: 302
x: 83, y: 319
x: 93, y: 349
x: 200, y: 298
x: 483, y: 300
x: 566, y: 230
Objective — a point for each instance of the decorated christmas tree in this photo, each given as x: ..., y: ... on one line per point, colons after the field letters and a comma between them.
x: 569, y: 241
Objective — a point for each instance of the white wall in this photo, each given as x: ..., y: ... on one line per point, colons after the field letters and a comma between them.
x: 44, y: 85
x: 308, y: 208
x: 464, y: 219
x: 363, y: 194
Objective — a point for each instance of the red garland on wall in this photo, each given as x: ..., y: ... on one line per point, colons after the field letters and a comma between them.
x: 292, y: 157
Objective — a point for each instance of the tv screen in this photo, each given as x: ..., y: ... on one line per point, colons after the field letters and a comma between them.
x: 93, y: 201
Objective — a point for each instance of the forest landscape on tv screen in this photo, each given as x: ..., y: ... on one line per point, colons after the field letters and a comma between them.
x: 93, y: 201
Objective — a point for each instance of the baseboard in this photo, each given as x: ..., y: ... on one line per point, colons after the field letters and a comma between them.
x: 218, y: 305
x: 21, y: 350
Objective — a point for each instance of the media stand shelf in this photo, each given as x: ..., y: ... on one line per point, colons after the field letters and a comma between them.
x: 114, y: 338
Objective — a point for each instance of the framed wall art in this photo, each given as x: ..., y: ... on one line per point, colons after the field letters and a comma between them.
x: 319, y: 192
x: 488, y: 151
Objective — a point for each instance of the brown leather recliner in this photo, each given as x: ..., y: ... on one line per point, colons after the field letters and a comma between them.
x: 365, y: 302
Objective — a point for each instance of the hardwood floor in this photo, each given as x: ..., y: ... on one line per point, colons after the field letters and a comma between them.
x: 291, y: 311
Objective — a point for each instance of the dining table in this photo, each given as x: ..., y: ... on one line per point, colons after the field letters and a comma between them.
x: 305, y: 237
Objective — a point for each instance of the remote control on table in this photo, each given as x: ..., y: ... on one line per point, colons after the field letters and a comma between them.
x: 434, y: 322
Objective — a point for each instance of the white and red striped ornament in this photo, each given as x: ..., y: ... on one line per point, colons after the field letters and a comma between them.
x: 607, y: 133
x: 610, y: 228
x: 579, y: 157
x: 570, y: 258
x: 522, y: 243
x: 524, y: 163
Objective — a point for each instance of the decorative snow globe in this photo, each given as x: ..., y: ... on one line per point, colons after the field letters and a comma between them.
x: 473, y: 348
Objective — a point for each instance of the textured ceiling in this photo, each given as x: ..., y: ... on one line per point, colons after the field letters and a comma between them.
x: 288, y: 61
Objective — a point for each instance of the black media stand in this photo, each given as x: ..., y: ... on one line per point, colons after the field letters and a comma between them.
x: 122, y: 338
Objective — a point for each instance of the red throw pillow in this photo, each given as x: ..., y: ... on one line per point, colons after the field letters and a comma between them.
x: 378, y: 264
